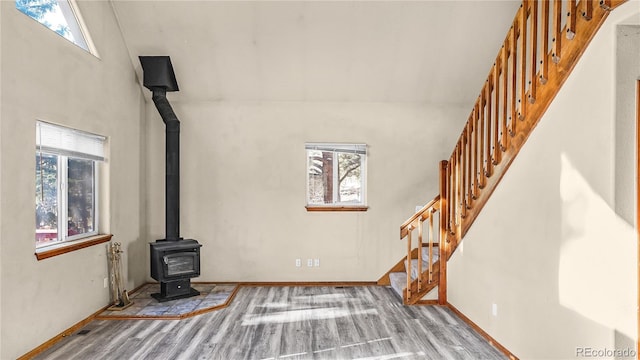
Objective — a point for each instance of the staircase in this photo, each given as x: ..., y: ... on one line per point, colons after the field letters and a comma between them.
x: 541, y: 49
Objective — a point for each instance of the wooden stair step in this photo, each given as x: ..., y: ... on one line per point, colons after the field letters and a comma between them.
x: 414, y: 268
x: 425, y: 254
x: 398, y: 282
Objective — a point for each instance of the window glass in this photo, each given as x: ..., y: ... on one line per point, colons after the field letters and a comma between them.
x: 336, y: 174
x: 61, y: 16
x: 80, y: 196
x: 46, y: 199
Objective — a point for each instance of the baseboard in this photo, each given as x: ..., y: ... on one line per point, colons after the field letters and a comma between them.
x: 47, y: 344
x: 483, y: 333
x: 31, y: 354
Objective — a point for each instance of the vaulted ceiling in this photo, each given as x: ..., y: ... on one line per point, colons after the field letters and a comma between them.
x: 391, y: 51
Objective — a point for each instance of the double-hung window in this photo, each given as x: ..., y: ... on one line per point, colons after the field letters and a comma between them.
x: 336, y: 176
x: 67, y: 186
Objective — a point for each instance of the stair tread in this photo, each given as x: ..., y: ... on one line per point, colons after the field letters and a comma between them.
x: 425, y: 262
x: 398, y: 280
x: 425, y: 253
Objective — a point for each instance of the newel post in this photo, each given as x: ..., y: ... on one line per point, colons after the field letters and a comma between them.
x: 443, y: 245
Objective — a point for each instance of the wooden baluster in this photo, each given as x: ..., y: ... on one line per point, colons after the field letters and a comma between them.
x: 534, y: 50
x: 463, y: 165
x: 497, y: 148
x: 557, y: 30
x: 523, y: 60
x: 460, y: 189
x: 544, y: 64
x: 469, y: 162
x: 504, y: 143
x: 458, y: 185
x: 410, y: 228
x: 450, y: 201
x: 444, y: 200
x: 451, y: 189
x: 476, y: 131
x: 489, y: 119
x: 513, y: 76
x: 481, y: 145
x: 588, y: 9
x: 443, y: 248
x: 419, y: 254
x: 571, y: 21
x: 431, y: 246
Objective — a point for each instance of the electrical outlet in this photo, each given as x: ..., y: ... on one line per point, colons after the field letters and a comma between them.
x: 309, y: 262
x: 298, y: 262
x: 106, y: 282
x: 316, y: 262
x: 494, y: 309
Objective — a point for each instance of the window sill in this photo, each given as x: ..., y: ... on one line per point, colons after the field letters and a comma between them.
x: 336, y: 208
x: 73, y: 246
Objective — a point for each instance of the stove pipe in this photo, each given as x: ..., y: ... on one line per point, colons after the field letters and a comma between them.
x: 160, y: 78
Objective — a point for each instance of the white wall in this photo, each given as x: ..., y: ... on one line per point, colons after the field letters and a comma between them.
x: 549, y: 248
x: 46, y: 77
x: 243, y: 174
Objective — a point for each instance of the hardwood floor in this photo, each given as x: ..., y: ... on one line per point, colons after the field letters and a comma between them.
x: 321, y: 322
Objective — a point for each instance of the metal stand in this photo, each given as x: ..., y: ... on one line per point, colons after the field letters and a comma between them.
x: 120, y: 295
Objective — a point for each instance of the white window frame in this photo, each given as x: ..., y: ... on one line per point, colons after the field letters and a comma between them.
x: 336, y: 148
x: 67, y: 143
x: 76, y: 25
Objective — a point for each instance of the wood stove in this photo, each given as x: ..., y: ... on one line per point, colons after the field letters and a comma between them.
x: 174, y: 260
x: 173, y: 264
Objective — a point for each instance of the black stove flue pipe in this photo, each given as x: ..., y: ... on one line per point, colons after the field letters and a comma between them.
x: 160, y: 78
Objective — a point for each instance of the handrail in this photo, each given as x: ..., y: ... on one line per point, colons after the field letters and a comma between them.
x: 540, y: 50
x: 435, y: 203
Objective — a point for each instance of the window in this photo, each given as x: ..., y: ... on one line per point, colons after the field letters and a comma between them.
x: 67, y: 165
x: 336, y: 176
x: 61, y: 16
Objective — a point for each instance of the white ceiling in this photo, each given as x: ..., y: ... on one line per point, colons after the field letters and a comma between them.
x: 391, y: 51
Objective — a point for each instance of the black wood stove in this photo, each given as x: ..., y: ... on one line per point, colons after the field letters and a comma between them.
x: 174, y: 260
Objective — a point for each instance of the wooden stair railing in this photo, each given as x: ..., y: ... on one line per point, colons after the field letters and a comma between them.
x: 543, y: 45
x: 429, y: 225
x: 427, y: 213
x: 541, y: 49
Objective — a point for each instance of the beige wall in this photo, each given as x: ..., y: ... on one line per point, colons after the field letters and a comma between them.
x: 46, y: 77
x: 549, y: 249
x: 1, y: 251
x: 243, y: 185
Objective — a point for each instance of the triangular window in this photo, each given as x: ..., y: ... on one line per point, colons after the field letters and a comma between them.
x: 61, y: 16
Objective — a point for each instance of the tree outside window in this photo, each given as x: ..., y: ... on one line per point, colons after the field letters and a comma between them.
x: 66, y: 183
x: 62, y: 17
x: 336, y: 174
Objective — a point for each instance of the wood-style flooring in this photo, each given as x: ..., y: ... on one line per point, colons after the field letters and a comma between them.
x: 322, y: 322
